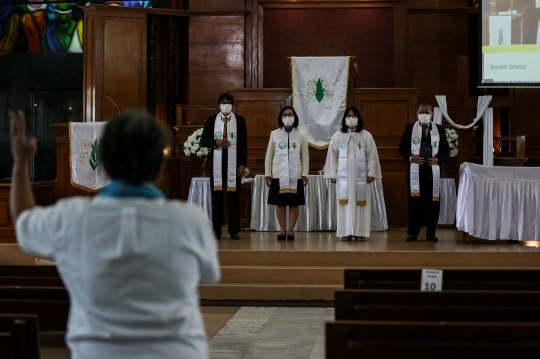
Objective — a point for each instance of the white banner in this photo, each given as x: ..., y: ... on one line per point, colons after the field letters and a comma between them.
x: 319, y: 95
x: 86, y: 171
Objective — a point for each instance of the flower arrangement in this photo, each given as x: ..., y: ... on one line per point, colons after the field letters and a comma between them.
x: 192, y: 146
x: 452, y: 137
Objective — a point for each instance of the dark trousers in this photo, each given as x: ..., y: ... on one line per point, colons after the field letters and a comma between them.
x: 423, y: 210
x: 233, y: 202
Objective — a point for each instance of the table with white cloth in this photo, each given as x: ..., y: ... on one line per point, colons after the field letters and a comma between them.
x: 448, y: 198
x: 199, y: 193
x: 499, y: 202
x: 319, y: 213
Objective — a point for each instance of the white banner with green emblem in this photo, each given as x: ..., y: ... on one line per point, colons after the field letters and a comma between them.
x: 319, y: 95
x: 86, y: 171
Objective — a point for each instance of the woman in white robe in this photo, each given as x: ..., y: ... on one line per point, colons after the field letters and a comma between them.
x: 354, y: 210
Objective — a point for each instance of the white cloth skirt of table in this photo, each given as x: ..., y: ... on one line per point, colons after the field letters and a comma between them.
x: 319, y: 213
x: 499, y: 202
x: 448, y: 199
x: 199, y: 194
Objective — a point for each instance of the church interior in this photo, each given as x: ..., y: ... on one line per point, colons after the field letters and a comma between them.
x: 317, y: 296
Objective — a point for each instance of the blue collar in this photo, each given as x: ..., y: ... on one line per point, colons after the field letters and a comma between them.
x: 122, y: 189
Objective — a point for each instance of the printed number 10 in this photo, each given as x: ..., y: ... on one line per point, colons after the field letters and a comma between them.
x: 430, y: 286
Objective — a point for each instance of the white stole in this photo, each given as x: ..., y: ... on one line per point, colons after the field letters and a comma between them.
x: 343, y: 169
x: 289, y: 159
x: 416, y: 140
x: 231, y: 155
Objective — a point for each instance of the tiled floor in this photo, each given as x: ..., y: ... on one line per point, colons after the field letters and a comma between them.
x: 272, y: 332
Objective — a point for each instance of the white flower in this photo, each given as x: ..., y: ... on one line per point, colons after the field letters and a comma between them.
x: 456, y: 143
x: 451, y: 145
x: 187, y: 152
x: 195, y: 147
x: 199, y: 131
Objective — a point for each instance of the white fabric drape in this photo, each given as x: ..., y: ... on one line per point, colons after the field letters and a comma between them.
x: 482, y: 111
x: 87, y: 173
x: 488, y: 137
x: 499, y: 202
x: 319, y: 95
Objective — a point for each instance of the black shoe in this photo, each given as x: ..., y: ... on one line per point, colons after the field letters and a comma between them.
x: 290, y: 238
x: 410, y: 239
x: 235, y: 236
x: 431, y: 239
x: 281, y: 237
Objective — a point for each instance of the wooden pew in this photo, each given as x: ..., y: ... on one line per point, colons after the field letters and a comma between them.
x: 453, y: 279
x: 50, y: 304
x: 19, y: 336
x: 347, y: 301
x: 351, y: 339
x: 445, y: 313
x: 36, y: 276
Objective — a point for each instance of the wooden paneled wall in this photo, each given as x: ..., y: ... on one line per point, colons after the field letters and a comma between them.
x: 216, y: 55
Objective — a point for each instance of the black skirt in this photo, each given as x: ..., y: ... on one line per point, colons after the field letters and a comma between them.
x: 286, y: 199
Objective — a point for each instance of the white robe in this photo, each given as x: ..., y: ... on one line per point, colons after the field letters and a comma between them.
x: 353, y: 220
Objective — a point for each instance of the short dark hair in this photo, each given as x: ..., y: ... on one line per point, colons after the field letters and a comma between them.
x: 359, y: 127
x: 225, y: 96
x: 280, y: 121
x: 424, y: 104
x: 131, y: 147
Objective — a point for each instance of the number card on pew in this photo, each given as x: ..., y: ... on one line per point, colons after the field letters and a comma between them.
x: 431, y: 280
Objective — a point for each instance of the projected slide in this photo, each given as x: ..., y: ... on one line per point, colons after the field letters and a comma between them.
x: 510, y: 42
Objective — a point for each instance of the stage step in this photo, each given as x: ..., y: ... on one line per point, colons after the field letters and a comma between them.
x: 405, y: 259
x: 268, y: 291
x: 282, y: 275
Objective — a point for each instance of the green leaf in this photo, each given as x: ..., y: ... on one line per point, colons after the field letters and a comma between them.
x: 94, y: 157
x: 319, y: 90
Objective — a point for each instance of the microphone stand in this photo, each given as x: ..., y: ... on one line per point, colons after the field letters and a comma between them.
x: 114, y: 103
x: 337, y: 47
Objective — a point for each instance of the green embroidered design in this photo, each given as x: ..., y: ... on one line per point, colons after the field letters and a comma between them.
x: 282, y: 145
x: 316, y: 89
x: 434, y: 144
x: 416, y: 140
x: 294, y: 145
x: 359, y: 146
x: 343, y: 144
x: 218, y: 135
x: 232, y: 134
x: 94, y: 157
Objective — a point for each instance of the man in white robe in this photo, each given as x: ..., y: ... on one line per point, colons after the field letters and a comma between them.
x: 353, y: 218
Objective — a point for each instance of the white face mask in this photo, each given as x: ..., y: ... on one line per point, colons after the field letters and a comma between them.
x: 288, y: 120
x: 225, y: 108
x: 424, y: 118
x: 351, y: 121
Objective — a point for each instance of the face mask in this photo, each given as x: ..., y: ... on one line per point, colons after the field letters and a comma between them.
x: 225, y: 108
x: 288, y: 120
x: 351, y: 121
x: 424, y: 118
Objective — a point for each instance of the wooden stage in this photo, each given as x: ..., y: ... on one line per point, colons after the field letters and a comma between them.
x: 258, y: 267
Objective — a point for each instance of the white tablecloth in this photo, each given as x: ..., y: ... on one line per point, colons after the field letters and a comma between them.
x: 448, y: 199
x: 319, y: 213
x: 499, y: 202
x: 199, y: 193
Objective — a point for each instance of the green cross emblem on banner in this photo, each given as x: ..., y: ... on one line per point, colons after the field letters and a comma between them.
x: 416, y: 140
x: 294, y: 145
x: 218, y: 135
x: 359, y: 146
x: 343, y: 144
x: 434, y: 144
x: 232, y: 134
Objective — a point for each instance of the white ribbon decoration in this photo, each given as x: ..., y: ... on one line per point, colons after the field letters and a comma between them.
x: 482, y: 111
